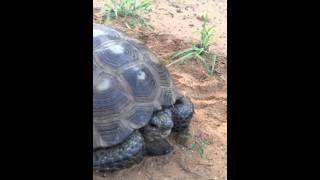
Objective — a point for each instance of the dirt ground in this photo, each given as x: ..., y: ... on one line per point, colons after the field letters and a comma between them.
x: 173, y: 22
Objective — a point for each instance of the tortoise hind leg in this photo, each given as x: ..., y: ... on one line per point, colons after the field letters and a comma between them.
x: 121, y: 156
x: 182, y: 112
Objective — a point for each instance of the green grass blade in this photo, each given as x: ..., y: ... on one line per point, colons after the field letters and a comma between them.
x: 181, y: 59
x: 213, y: 61
x: 192, y: 146
x: 183, y: 52
x: 201, y: 58
x: 186, y: 135
x: 204, y: 63
x: 108, y: 15
x: 205, y: 142
x: 201, y: 151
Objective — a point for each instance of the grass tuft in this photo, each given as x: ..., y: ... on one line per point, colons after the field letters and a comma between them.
x: 198, y: 144
x: 200, y: 51
x: 131, y: 11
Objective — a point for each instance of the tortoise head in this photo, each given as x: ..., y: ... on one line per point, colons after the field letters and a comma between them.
x: 159, y: 126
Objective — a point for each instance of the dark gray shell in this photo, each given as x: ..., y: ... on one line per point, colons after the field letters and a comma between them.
x: 129, y: 84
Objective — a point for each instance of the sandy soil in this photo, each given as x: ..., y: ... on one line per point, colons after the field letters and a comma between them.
x: 173, y: 22
x: 181, y: 18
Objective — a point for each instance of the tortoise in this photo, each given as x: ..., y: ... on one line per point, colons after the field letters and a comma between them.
x: 136, y: 104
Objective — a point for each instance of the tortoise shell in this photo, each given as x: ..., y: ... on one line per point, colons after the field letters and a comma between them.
x: 129, y: 84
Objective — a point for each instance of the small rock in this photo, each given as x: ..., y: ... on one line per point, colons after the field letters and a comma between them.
x: 179, y: 10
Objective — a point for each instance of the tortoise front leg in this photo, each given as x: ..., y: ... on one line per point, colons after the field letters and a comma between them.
x: 182, y: 112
